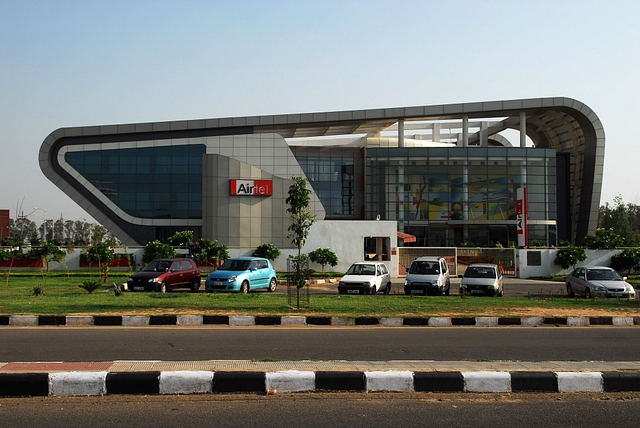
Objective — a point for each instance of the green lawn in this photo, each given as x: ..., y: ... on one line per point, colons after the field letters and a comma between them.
x: 63, y: 296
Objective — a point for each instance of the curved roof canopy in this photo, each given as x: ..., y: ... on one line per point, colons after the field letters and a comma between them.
x: 563, y: 124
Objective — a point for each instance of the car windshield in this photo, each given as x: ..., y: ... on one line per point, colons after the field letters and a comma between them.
x: 603, y: 275
x: 236, y: 265
x: 424, y: 268
x: 157, y: 266
x: 480, y: 272
x: 362, y: 270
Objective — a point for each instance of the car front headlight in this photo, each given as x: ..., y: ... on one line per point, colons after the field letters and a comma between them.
x: 599, y: 288
x: 407, y: 282
x: 232, y: 278
x: 367, y: 283
x: 130, y: 279
x: 436, y: 283
x: 153, y: 279
x: 341, y: 283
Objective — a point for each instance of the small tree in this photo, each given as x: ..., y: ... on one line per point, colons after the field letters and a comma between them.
x: 570, y: 256
x: 47, y: 252
x: 211, y: 250
x: 627, y: 260
x: 157, y: 250
x: 182, y: 238
x: 323, y: 256
x: 100, y: 254
x: 267, y: 251
x: 301, y: 221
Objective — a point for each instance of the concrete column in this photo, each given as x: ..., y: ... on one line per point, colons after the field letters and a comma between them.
x: 436, y: 132
x: 465, y: 192
x: 465, y: 131
x: 401, y: 133
x: 484, y: 134
x: 523, y: 129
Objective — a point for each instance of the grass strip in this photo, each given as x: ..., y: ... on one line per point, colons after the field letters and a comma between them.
x: 63, y: 296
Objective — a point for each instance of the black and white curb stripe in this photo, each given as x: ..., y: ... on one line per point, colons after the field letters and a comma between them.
x: 247, y: 320
x: 291, y: 381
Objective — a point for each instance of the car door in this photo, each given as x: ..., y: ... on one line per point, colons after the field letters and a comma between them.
x: 578, y: 280
x: 386, y: 277
x: 254, y: 274
x: 174, y: 279
x: 187, y: 272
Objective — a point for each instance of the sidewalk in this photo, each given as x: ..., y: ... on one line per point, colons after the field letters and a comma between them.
x: 265, y: 377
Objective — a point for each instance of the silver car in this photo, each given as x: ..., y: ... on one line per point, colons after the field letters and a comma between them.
x: 598, y: 281
x: 482, y: 279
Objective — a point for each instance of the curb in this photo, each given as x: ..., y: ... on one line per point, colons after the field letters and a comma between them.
x: 292, y: 381
x: 248, y: 320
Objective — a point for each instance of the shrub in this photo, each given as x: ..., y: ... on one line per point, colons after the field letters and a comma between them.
x: 267, y: 251
x: 324, y: 256
x: 157, y: 250
x: 603, y: 239
x: 38, y: 290
x: 182, y: 238
x: 210, y: 250
x: 90, y: 285
x: 627, y: 260
x: 570, y: 256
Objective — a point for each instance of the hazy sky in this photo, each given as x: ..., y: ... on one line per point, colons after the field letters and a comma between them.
x: 79, y: 63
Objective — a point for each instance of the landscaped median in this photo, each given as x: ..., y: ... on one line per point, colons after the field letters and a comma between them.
x: 59, y: 300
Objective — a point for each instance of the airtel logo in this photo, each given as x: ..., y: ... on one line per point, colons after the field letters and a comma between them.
x: 252, y: 187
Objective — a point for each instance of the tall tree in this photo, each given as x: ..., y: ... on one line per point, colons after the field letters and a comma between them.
x: 301, y: 221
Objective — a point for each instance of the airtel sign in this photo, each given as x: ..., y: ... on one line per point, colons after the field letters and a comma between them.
x: 252, y: 187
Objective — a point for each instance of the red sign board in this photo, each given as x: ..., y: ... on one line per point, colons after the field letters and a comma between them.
x: 251, y: 187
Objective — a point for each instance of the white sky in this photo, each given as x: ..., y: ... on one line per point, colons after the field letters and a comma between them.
x: 83, y: 62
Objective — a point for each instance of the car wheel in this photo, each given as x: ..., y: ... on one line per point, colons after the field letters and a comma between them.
x: 272, y: 285
x: 587, y: 293
x: 500, y: 292
x: 570, y: 291
x: 195, y: 285
x: 244, y: 288
x: 387, y: 290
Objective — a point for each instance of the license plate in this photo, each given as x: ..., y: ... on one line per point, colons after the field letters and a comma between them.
x: 138, y: 288
x: 217, y: 282
x: 476, y: 291
x: 418, y: 291
x: 353, y: 291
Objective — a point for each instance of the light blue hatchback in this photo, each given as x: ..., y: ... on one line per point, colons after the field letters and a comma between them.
x: 242, y: 275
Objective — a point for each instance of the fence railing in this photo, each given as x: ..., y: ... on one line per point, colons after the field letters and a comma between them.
x: 459, y: 258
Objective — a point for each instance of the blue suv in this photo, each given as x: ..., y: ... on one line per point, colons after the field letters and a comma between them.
x: 242, y: 275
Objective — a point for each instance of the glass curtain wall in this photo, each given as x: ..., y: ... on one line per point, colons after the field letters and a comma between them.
x: 461, y: 196
x: 163, y: 182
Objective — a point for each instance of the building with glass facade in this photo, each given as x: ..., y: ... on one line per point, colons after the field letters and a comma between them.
x: 447, y: 175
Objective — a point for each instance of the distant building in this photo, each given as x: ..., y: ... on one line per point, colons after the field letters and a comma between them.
x: 445, y: 174
x: 4, y: 224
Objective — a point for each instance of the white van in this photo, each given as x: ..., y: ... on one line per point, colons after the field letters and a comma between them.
x: 428, y: 275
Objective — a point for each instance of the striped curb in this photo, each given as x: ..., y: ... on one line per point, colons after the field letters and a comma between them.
x: 290, y: 381
x: 248, y: 320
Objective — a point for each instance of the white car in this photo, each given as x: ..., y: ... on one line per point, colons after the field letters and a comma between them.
x: 366, y: 278
x: 482, y: 279
x: 428, y: 275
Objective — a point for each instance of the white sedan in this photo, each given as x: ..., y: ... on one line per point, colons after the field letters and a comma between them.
x: 598, y: 281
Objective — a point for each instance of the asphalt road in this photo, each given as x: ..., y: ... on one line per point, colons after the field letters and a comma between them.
x: 323, y: 410
x: 319, y: 343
